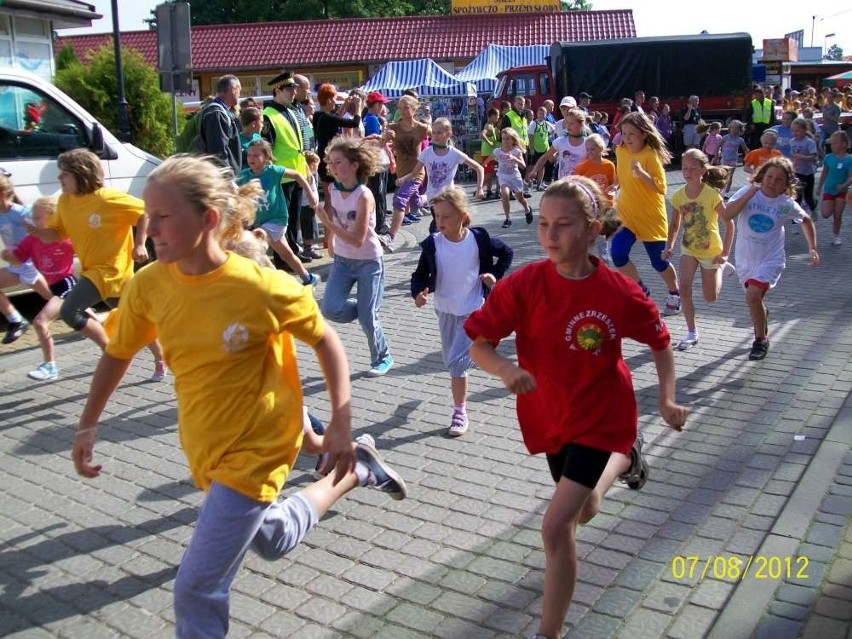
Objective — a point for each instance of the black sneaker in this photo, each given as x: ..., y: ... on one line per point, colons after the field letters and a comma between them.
x: 15, y: 330
x: 759, y: 349
x: 303, y: 258
x: 506, y: 223
x: 380, y: 475
x: 529, y: 215
x: 637, y: 474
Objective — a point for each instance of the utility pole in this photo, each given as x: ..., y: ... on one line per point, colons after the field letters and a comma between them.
x: 123, y: 119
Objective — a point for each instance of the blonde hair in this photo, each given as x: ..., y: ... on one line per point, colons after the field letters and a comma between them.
x: 46, y: 203
x: 206, y: 185
x: 311, y: 157
x: 736, y: 124
x: 715, y: 176
x: 456, y: 198
x: 85, y: 167
x: 414, y: 103
x: 597, y: 140
x: 653, y: 138
x: 516, y: 137
x: 252, y: 245
x: 581, y: 190
x: 442, y: 123
x: 364, y: 153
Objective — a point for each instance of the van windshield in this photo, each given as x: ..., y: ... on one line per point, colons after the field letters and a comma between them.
x: 34, y: 125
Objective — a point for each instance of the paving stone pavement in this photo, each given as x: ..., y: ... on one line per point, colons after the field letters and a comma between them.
x: 762, y: 476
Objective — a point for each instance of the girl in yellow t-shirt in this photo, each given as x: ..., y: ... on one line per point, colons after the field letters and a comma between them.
x: 699, y: 205
x: 227, y: 327
x: 641, y: 205
x: 99, y: 222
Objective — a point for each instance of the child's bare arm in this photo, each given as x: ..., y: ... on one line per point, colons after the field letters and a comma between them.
x: 728, y: 241
x: 107, y: 375
x: 735, y: 207
x: 10, y: 257
x: 809, y: 231
x: 673, y: 414
x: 515, y: 378
x: 338, y: 435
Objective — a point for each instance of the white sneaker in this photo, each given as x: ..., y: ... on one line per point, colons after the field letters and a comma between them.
x: 836, y: 241
x: 45, y: 372
x: 728, y: 269
x: 672, y: 305
x: 688, y: 342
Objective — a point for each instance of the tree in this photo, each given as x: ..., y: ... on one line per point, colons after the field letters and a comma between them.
x: 834, y: 53
x: 150, y: 110
x: 66, y: 58
x: 576, y: 5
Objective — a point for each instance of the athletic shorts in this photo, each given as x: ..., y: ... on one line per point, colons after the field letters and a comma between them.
x: 579, y: 463
x: 61, y: 288
x: 274, y: 230
x: 26, y: 272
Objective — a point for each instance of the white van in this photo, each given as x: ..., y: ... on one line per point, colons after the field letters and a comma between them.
x: 28, y: 152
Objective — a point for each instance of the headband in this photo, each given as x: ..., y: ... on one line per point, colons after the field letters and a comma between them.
x: 592, y: 199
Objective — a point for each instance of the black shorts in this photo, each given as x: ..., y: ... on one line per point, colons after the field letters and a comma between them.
x: 61, y: 288
x: 579, y: 463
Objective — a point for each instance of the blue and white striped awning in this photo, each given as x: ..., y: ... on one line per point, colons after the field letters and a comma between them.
x: 483, y: 69
x: 428, y: 77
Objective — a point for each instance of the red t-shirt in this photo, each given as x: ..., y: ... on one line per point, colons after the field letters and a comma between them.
x: 568, y: 336
x: 54, y: 260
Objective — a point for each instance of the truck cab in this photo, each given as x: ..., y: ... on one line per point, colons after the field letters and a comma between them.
x: 533, y: 82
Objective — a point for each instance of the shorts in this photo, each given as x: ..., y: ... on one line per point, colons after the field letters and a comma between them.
x: 408, y: 194
x: 706, y: 263
x: 690, y: 137
x: 763, y: 286
x: 514, y: 182
x: 61, y: 288
x: 26, y: 272
x: 582, y: 464
x: 830, y: 197
x: 275, y: 230
x: 455, y: 344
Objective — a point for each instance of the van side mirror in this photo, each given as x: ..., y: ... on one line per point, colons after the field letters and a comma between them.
x: 97, y: 144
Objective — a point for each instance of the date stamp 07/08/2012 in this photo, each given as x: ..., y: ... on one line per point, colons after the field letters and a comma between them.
x: 736, y: 568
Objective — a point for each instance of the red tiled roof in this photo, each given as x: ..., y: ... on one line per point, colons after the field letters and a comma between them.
x: 272, y: 45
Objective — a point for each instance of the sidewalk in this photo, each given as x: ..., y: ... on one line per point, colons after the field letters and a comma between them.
x: 763, y: 470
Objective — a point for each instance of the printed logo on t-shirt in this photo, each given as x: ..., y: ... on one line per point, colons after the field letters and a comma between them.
x: 588, y: 330
x: 234, y: 338
x: 346, y: 218
x: 95, y: 221
x: 760, y: 223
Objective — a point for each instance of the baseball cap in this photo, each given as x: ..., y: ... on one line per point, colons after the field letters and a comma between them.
x: 375, y: 96
x: 568, y: 101
x: 584, y: 95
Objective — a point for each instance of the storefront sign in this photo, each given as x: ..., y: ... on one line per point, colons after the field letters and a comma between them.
x: 490, y: 7
x: 343, y: 80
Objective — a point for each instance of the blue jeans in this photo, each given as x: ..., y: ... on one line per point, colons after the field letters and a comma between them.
x: 338, y: 306
x: 228, y: 525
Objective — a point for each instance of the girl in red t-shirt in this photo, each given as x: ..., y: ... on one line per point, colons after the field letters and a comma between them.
x: 55, y: 264
x: 575, y: 400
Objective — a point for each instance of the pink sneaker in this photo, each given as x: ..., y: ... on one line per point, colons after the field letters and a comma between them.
x: 160, y: 371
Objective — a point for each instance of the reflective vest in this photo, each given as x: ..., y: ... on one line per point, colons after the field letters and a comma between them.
x: 287, y: 150
x: 519, y: 124
x: 761, y: 112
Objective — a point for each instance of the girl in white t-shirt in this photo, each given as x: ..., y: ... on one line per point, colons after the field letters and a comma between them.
x: 509, y: 157
x: 441, y: 161
x: 458, y: 265
x: 766, y: 203
x: 568, y: 149
x: 349, y: 218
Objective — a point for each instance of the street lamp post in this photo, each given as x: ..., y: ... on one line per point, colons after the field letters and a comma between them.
x: 123, y: 119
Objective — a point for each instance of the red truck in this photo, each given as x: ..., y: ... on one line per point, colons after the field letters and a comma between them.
x: 716, y: 68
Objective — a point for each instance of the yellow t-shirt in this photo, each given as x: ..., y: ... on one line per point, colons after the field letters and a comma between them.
x: 701, y: 238
x: 641, y: 208
x: 228, y: 338
x: 99, y: 225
